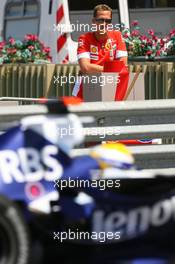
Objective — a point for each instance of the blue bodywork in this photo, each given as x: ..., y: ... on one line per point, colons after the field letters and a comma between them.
x: 144, y: 214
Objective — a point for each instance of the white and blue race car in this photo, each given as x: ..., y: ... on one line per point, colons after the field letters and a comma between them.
x: 97, y: 206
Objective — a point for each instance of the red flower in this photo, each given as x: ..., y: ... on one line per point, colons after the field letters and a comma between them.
x: 27, y: 37
x: 158, y: 53
x: 2, y: 44
x: 46, y: 50
x: 143, y: 38
x: 11, y: 50
x: 30, y: 47
x: 134, y: 23
x: 149, y: 52
x: 12, y: 41
x: 49, y: 58
x: 135, y: 33
x: 125, y: 35
x: 151, y: 32
x: 31, y: 37
x: 172, y: 32
x: 155, y: 38
x: 150, y: 42
x: 162, y: 42
x: 35, y: 37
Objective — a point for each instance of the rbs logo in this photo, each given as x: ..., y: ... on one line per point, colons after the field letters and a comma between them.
x: 30, y: 165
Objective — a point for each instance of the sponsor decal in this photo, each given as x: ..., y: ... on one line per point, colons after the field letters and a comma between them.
x: 30, y: 165
x: 135, y: 221
x: 93, y: 49
x: 109, y: 45
x: 145, y: 141
x: 34, y: 190
x: 93, y: 57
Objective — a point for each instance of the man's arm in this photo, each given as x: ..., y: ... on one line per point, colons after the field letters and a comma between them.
x: 87, y: 68
x: 125, y: 60
x: 121, y: 53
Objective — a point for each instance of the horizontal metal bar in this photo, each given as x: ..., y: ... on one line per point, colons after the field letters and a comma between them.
x: 8, y: 103
x: 128, y: 113
x: 136, y: 150
x: 111, y: 113
x: 126, y: 105
x: 154, y: 156
x: 146, y: 157
x: 113, y: 173
x: 26, y: 99
x: 97, y: 134
x: 15, y: 113
x: 164, y: 172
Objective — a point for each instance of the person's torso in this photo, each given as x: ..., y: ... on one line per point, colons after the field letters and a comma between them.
x: 102, y: 49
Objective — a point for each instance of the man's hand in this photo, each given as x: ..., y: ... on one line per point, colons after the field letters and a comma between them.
x: 87, y: 68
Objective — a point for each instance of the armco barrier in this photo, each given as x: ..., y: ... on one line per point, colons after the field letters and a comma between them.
x: 155, y: 118
x: 44, y: 80
x: 106, y: 114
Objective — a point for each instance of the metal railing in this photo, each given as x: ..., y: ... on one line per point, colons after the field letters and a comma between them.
x: 44, y: 80
x: 105, y: 113
x: 124, y: 120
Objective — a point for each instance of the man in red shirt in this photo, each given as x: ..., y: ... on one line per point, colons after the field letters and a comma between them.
x: 102, y: 44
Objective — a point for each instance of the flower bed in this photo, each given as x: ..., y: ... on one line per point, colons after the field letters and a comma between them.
x: 150, y: 46
x: 31, y: 49
x: 140, y: 47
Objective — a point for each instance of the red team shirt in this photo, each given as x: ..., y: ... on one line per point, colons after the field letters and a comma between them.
x: 112, y: 48
x: 99, y: 51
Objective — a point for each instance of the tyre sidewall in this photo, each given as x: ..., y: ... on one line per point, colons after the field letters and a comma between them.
x: 13, y: 224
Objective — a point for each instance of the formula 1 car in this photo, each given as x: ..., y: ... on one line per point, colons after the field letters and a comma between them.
x: 97, y: 207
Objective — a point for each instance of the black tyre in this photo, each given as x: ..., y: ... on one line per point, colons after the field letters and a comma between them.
x: 14, y: 238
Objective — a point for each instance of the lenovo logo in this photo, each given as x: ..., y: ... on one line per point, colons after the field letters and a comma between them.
x: 137, y: 221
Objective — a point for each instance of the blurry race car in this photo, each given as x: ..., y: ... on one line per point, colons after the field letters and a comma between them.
x: 33, y: 157
x: 49, y: 197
